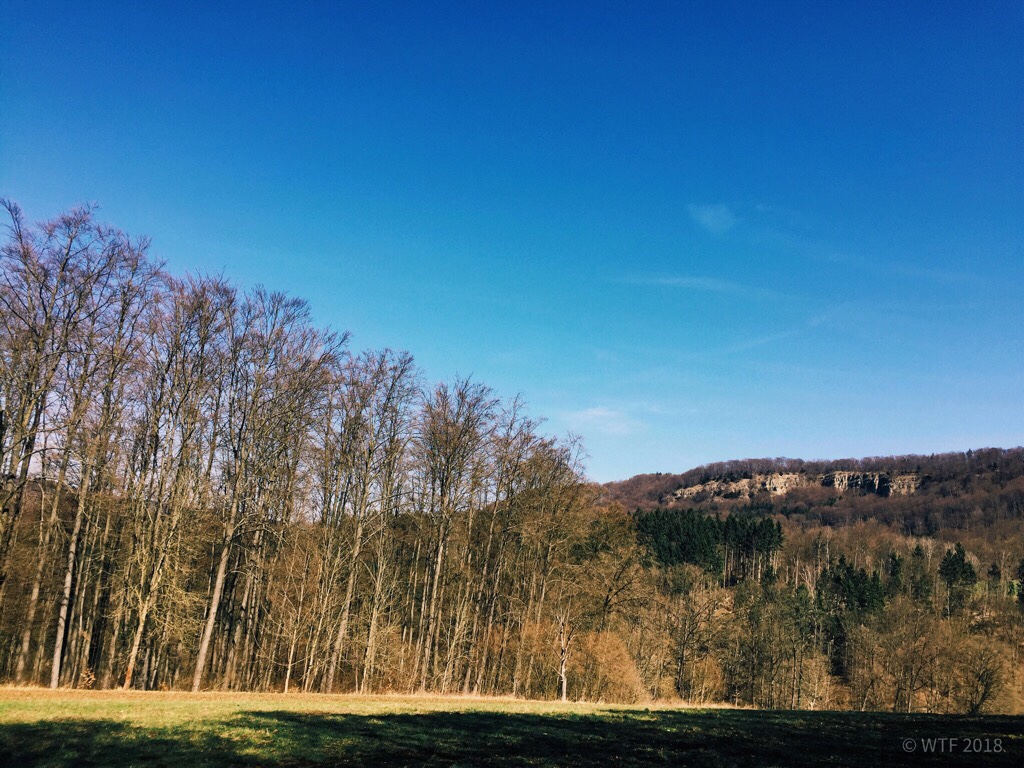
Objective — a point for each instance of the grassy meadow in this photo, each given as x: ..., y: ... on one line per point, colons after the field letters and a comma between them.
x: 210, y: 730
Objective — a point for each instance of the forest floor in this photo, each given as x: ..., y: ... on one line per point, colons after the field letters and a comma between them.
x: 211, y: 730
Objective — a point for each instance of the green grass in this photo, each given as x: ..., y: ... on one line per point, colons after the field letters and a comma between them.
x: 211, y: 730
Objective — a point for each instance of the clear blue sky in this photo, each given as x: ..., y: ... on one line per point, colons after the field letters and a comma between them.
x: 686, y: 232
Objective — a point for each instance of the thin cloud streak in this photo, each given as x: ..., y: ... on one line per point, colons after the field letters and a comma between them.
x: 713, y: 285
x: 761, y: 341
x: 821, y: 251
x: 717, y: 219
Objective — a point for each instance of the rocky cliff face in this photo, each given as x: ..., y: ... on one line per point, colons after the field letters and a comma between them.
x: 870, y: 482
x: 777, y: 484
x: 873, y: 482
x: 904, y: 485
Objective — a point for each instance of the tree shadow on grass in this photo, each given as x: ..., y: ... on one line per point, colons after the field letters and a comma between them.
x: 95, y: 742
x: 625, y: 738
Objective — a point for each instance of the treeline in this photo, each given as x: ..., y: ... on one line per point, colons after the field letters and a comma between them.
x: 201, y: 488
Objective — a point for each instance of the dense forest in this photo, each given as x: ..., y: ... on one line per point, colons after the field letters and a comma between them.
x: 201, y: 488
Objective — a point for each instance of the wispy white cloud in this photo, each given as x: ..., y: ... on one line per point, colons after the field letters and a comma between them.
x: 717, y: 218
x: 753, y: 342
x: 760, y: 341
x: 602, y: 420
x: 711, y: 285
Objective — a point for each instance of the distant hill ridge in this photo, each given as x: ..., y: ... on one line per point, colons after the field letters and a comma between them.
x: 947, y: 474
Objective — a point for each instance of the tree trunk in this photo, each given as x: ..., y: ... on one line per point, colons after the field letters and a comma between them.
x: 339, y: 639
x: 211, y: 615
x: 44, y: 551
x: 69, y: 574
